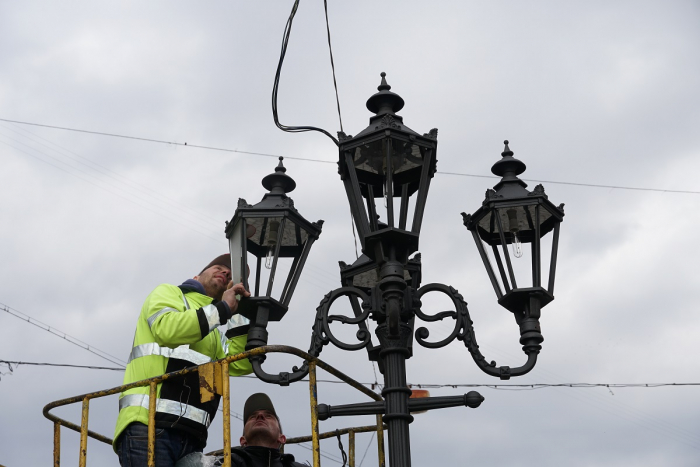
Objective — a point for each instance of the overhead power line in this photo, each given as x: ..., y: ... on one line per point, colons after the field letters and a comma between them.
x: 422, y: 385
x: 60, y: 364
x: 73, y: 340
x: 151, y: 140
x: 440, y: 172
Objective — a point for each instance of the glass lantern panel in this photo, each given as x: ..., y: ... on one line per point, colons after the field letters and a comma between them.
x: 267, y: 232
x: 516, y: 220
x: 370, y: 157
x: 405, y: 156
x: 293, y: 235
x: 238, y: 261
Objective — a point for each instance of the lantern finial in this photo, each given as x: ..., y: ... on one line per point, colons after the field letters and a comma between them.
x: 280, y: 167
x: 385, y: 101
x: 506, y: 151
x: 384, y: 85
x: 508, y: 167
x: 279, y: 182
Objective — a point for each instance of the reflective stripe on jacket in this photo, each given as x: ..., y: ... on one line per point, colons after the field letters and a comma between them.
x: 176, y: 330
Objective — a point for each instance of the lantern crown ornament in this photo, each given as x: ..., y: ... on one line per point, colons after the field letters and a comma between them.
x: 386, y: 169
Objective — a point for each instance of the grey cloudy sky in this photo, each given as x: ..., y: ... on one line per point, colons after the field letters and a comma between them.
x: 587, y: 92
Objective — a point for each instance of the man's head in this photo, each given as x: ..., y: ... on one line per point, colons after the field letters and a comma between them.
x: 216, y: 276
x: 261, y: 427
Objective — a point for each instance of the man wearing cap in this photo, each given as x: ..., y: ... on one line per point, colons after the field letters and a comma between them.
x: 178, y: 328
x: 262, y: 437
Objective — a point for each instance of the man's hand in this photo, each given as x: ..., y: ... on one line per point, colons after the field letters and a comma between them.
x: 230, y: 295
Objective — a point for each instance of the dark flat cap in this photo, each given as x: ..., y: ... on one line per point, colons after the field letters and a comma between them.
x: 259, y: 401
x: 223, y: 260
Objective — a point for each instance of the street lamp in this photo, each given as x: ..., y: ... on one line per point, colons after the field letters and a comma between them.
x: 275, y: 235
x: 389, y: 162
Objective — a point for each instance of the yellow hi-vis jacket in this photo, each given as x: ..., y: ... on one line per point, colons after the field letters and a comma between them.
x: 177, y: 328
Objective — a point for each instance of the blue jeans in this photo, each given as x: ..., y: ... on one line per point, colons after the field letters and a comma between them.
x: 170, y: 446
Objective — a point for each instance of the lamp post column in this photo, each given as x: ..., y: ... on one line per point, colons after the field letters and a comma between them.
x: 394, y: 336
x: 396, y: 393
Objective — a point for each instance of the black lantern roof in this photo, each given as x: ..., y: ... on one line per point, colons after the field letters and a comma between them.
x: 276, y: 203
x: 511, y: 204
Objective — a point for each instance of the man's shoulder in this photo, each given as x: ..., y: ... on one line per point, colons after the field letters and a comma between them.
x: 240, y: 458
x: 288, y: 460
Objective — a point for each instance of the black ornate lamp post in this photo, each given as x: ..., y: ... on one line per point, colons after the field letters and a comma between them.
x: 273, y: 232
x: 387, y: 169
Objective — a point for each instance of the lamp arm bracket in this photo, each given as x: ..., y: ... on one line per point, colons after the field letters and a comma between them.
x: 322, y: 333
x: 459, y: 315
x: 464, y: 331
x: 284, y: 378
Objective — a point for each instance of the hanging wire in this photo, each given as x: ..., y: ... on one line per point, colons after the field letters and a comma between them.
x: 275, y: 87
x: 9, y: 367
x: 340, y: 446
x: 330, y: 50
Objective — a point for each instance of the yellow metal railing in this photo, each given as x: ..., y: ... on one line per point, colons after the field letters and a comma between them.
x: 214, y: 380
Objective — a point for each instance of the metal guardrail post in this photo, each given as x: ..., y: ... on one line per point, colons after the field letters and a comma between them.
x: 313, y: 398
x: 82, y: 459
x: 226, y: 389
x: 351, y: 449
x: 380, y: 440
x: 56, y: 444
x: 152, y: 424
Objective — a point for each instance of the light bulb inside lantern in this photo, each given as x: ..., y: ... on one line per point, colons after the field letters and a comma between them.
x: 271, y: 243
x: 514, y: 227
x: 517, y: 246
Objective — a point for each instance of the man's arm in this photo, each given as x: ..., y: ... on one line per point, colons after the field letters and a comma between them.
x: 172, y: 324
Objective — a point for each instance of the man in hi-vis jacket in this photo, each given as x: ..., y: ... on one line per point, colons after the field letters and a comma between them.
x: 178, y: 328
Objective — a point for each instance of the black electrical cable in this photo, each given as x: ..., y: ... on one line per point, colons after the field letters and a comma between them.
x: 330, y: 50
x: 275, y: 87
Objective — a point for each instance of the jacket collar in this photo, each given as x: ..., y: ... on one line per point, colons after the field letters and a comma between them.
x: 191, y: 285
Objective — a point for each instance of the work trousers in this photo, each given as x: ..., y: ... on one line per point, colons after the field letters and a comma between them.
x: 170, y: 446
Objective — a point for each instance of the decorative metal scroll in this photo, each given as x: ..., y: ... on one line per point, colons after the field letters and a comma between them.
x: 464, y: 331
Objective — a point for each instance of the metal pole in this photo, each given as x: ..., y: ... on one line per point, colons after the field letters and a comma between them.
x: 313, y: 399
x: 226, y: 389
x: 82, y: 461
x: 56, y: 444
x: 351, y: 449
x: 380, y: 441
x: 395, y: 336
x: 152, y: 424
x: 396, y: 394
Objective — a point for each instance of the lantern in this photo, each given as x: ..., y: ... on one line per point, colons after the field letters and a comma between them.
x: 387, y: 170
x: 513, y: 216
x: 274, y: 235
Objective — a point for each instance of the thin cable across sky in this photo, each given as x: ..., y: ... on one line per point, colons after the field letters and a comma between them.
x: 153, y: 140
